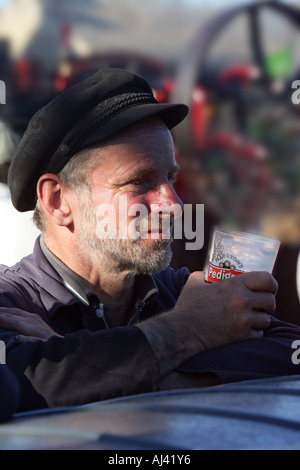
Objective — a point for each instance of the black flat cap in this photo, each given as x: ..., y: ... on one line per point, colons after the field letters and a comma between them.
x: 105, y: 103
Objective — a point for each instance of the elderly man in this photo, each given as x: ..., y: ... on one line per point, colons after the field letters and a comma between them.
x: 91, y: 314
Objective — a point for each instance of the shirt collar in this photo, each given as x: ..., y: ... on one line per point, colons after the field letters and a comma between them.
x: 145, y: 285
x: 74, y: 283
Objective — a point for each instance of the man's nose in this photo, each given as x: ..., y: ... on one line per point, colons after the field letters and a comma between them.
x: 166, y: 200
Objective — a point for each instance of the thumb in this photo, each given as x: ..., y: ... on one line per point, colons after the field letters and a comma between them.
x: 196, y: 278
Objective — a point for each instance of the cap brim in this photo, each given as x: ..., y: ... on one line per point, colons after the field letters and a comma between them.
x: 171, y: 114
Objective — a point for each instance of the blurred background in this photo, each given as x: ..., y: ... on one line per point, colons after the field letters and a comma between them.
x: 233, y: 62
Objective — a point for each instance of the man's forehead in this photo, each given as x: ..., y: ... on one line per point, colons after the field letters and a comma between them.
x: 148, y: 128
x: 135, y: 160
x: 142, y: 144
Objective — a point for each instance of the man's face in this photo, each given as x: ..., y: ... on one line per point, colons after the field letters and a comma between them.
x: 124, y: 218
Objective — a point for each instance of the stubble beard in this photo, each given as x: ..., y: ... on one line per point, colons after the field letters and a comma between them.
x: 115, y: 255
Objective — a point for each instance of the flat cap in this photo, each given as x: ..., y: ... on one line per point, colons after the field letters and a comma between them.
x: 102, y: 105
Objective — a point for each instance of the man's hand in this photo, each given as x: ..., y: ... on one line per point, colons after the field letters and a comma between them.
x: 30, y: 325
x: 229, y: 311
x: 208, y: 316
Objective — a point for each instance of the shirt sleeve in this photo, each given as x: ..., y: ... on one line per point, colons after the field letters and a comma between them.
x: 81, y: 367
x: 270, y: 356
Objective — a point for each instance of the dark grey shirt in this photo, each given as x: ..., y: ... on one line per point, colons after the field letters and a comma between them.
x: 93, y: 362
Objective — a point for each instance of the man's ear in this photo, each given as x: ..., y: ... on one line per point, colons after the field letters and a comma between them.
x: 53, y: 198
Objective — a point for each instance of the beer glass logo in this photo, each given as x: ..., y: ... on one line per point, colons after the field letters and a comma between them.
x: 222, y: 265
x: 2, y: 92
x: 2, y: 353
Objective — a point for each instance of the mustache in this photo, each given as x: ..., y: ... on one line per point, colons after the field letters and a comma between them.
x: 159, y: 226
x: 148, y: 225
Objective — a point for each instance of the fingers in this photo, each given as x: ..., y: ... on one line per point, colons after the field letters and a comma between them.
x: 13, y: 317
x: 29, y: 339
x: 264, y: 302
x: 14, y: 321
x: 260, y: 321
x: 6, y: 321
x: 256, y: 334
x: 260, y: 281
x: 25, y: 323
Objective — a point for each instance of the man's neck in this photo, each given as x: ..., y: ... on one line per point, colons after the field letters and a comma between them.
x: 114, y: 289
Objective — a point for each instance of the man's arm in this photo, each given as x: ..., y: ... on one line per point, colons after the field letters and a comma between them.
x: 272, y: 356
x: 81, y: 367
x: 30, y: 325
x: 88, y: 366
x: 209, y: 316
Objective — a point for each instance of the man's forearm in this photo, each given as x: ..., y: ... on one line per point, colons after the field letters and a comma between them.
x: 82, y: 367
x: 211, y: 316
x: 172, y: 339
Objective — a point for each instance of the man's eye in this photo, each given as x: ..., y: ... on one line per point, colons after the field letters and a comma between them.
x: 151, y: 182
x: 137, y: 182
x: 140, y: 183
